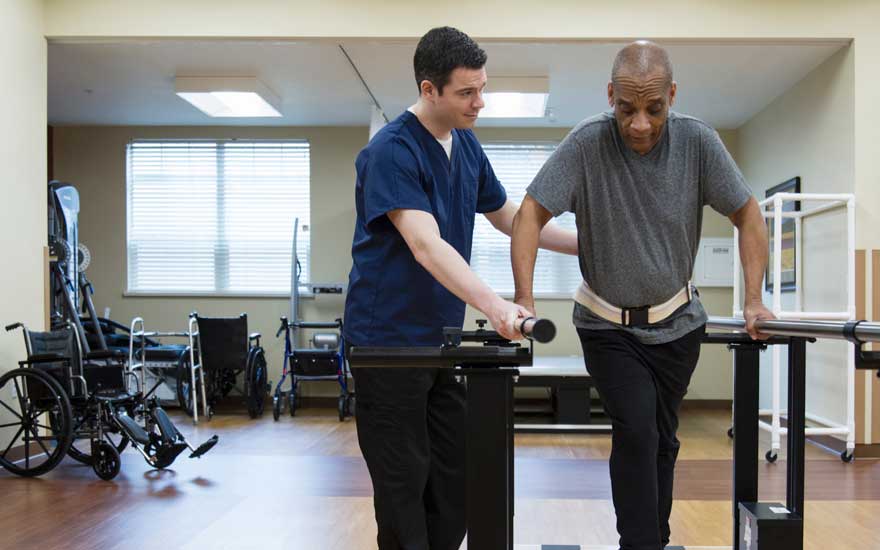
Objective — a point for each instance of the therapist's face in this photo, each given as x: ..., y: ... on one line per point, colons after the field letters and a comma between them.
x: 462, y: 97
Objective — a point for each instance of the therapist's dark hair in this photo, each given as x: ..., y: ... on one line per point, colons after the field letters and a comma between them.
x: 441, y: 51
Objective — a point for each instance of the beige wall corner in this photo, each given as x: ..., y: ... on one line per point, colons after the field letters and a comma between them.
x: 22, y: 170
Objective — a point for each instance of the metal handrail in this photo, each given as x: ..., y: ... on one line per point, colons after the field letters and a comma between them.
x: 853, y: 331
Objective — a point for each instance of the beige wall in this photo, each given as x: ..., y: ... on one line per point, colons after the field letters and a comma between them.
x: 22, y: 171
x: 809, y: 132
x: 93, y: 158
x: 22, y: 179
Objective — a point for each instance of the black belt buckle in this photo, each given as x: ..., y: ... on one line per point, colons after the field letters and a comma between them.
x: 635, y: 316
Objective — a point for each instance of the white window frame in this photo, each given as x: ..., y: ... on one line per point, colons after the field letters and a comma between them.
x: 304, y: 244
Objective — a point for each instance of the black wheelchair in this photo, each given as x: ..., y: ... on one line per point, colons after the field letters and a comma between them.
x: 223, y: 353
x: 63, y: 401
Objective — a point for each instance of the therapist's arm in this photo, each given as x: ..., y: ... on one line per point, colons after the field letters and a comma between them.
x: 528, y: 224
x: 422, y: 235
x: 552, y: 236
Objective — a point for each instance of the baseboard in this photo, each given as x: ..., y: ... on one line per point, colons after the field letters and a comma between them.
x: 867, y: 451
x: 319, y: 401
x: 707, y: 404
x: 839, y: 445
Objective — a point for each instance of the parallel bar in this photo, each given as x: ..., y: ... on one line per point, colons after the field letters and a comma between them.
x: 866, y: 332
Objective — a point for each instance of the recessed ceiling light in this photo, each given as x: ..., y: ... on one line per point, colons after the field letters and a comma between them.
x: 218, y: 96
x: 516, y: 97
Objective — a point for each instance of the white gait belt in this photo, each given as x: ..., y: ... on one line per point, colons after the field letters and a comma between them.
x: 636, y: 316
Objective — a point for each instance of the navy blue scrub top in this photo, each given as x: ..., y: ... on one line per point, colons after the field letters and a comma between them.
x: 392, y: 300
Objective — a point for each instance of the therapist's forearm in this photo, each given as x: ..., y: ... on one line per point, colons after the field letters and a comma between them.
x: 558, y: 239
x: 552, y: 238
x: 442, y: 261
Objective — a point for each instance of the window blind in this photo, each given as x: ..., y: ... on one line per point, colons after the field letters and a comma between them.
x: 215, y: 217
x: 556, y: 275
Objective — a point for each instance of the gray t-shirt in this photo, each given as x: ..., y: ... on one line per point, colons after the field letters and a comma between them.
x: 639, y: 217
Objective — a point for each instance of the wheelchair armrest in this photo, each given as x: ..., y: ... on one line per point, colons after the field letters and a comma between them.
x: 44, y: 358
x: 108, y: 354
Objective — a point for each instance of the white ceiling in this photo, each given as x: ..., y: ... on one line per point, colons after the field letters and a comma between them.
x: 132, y: 82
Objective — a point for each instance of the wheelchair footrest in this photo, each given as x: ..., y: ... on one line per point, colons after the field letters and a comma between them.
x: 133, y: 429
x: 167, y: 453
x: 205, y: 447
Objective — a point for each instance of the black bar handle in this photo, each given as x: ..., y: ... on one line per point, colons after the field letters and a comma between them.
x: 282, y: 328
x: 13, y: 326
x: 310, y: 324
x: 541, y: 330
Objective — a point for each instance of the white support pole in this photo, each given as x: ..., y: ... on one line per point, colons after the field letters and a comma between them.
x: 775, y: 444
x: 798, y: 265
x: 851, y: 305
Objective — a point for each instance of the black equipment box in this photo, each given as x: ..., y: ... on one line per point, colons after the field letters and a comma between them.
x: 768, y: 526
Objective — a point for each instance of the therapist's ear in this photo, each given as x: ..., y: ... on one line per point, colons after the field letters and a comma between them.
x: 428, y: 89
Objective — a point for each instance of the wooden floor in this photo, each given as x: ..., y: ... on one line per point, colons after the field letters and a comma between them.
x: 301, y: 484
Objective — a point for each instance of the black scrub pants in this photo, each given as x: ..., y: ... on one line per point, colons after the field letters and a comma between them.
x: 641, y: 387
x: 411, y: 430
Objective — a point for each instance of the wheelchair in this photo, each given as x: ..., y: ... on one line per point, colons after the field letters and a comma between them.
x: 222, y: 354
x: 61, y: 401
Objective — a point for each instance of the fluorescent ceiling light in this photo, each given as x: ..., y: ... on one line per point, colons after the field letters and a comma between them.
x: 218, y: 96
x: 516, y: 97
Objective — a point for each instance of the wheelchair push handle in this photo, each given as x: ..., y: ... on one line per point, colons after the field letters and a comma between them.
x: 540, y: 330
x: 13, y: 326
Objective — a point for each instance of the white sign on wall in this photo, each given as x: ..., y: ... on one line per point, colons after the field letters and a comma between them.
x: 714, y: 264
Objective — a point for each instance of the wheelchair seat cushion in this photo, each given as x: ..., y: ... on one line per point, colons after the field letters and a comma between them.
x: 169, y: 354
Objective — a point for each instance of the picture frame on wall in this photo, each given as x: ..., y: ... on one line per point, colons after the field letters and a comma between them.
x: 789, y: 260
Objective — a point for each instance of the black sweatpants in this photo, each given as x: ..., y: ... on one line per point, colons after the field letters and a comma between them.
x: 641, y: 387
x: 410, y: 424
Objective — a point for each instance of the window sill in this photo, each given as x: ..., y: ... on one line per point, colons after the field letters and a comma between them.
x: 217, y: 295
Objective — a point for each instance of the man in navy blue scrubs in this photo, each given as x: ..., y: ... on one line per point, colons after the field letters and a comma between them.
x: 420, y: 182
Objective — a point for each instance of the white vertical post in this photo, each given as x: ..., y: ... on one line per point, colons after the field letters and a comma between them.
x: 777, y: 308
x: 798, y: 264
x: 851, y: 306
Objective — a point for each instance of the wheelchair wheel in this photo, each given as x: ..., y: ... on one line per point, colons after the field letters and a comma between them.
x: 276, y: 407
x: 80, y: 441
x: 256, y: 382
x: 33, y: 402
x: 106, y: 460
x: 291, y: 402
x: 184, y: 384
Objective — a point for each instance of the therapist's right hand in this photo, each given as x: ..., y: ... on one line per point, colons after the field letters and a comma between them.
x: 505, y: 318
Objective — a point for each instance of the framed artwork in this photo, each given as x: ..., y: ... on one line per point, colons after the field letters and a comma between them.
x: 789, y: 274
